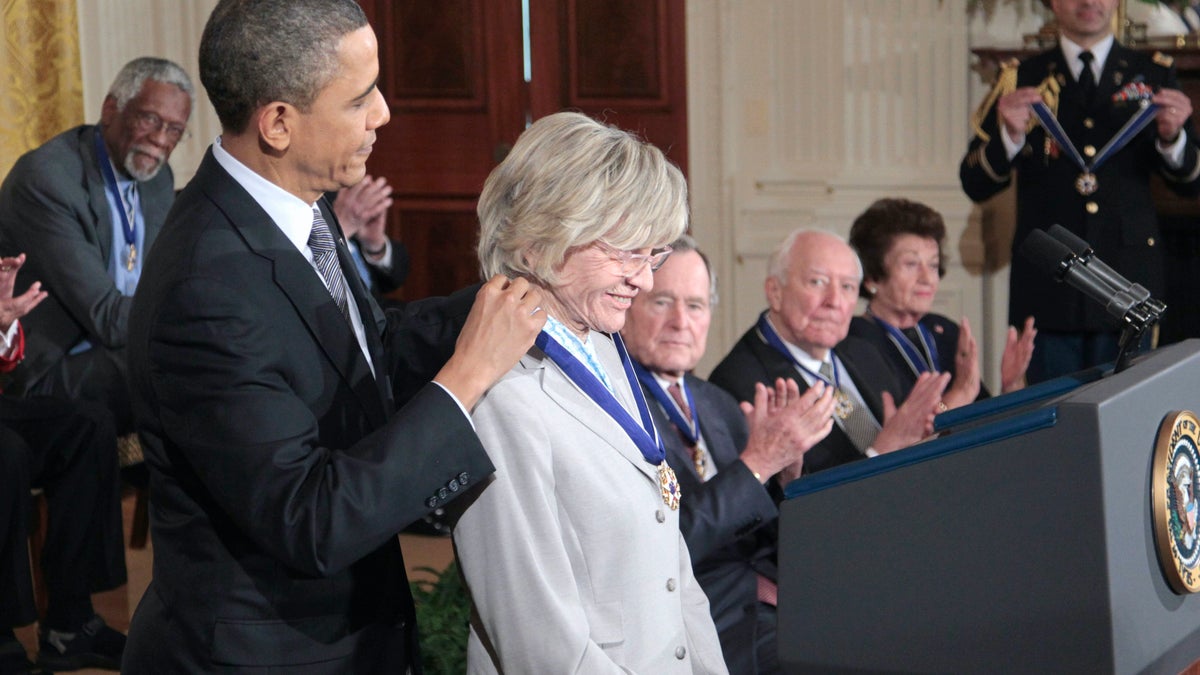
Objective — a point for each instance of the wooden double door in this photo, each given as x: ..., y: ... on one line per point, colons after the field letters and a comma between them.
x: 463, y: 78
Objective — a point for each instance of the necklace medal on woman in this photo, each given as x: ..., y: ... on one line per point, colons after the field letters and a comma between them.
x: 645, y: 435
x: 668, y: 485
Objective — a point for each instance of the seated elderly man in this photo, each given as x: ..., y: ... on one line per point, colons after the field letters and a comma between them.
x: 68, y: 449
x: 728, y: 516
x: 811, y: 288
x: 87, y: 206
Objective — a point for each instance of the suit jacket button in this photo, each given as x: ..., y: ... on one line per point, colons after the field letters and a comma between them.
x: 1092, y: 208
x: 443, y: 493
x: 431, y: 502
x: 453, y: 485
x: 671, y: 585
x: 1088, y: 123
x: 463, y: 478
x: 660, y: 516
x: 680, y: 653
x: 1089, y: 150
x: 1150, y: 241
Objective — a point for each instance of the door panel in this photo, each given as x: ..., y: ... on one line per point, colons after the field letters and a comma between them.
x: 452, y: 72
x: 621, y: 61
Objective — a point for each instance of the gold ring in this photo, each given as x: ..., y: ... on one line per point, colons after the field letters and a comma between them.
x: 942, y: 407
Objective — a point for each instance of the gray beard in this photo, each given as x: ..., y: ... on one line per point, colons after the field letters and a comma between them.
x: 136, y: 173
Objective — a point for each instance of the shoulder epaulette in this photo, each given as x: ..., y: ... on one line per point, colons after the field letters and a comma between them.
x: 1163, y: 60
x: 1006, y: 81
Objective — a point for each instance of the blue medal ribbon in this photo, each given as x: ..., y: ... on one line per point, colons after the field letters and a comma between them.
x: 110, y: 184
x: 644, y: 436
x: 911, y: 353
x: 1133, y: 126
x: 690, y: 430
x: 767, y: 332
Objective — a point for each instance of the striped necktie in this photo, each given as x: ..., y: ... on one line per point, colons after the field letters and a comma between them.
x: 859, y: 424
x: 698, y: 454
x: 320, y: 240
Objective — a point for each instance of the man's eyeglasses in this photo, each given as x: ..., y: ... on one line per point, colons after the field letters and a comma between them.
x: 150, y: 123
x: 632, y: 263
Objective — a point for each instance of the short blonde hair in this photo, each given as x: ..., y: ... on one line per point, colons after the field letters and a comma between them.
x: 570, y: 181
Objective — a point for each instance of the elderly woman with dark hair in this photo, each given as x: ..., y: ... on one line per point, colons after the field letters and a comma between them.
x: 572, y: 552
x: 900, y: 245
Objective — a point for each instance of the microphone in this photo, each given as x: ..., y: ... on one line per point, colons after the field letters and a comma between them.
x: 1084, y: 252
x: 1063, y: 264
x: 1110, y: 276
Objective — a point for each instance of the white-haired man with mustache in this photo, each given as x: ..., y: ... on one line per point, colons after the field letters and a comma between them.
x: 85, y: 207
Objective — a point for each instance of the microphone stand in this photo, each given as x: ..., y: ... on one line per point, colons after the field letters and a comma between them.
x: 1137, y: 320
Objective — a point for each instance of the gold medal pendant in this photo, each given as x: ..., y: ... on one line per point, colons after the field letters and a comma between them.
x: 131, y: 258
x: 842, y: 405
x: 669, y: 485
x: 1086, y: 184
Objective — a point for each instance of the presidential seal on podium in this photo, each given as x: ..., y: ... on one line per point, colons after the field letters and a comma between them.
x: 1173, y: 486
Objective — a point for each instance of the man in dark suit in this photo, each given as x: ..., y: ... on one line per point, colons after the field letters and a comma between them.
x: 262, y: 369
x: 725, y: 470
x: 68, y: 449
x: 1093, y: 87
x: 812, y: 288
x: 86, y: 207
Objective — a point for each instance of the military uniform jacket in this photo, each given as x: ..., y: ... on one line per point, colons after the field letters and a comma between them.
x: 1118, y: 220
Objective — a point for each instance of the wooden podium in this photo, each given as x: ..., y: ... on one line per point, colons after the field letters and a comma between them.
x: 1021, y: 541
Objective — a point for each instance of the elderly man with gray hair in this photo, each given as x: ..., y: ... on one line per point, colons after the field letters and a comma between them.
x: 812, y: 289
x: 725, y: 461
x: 85, y: 207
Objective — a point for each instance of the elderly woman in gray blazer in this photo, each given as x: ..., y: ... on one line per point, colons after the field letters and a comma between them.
x: 572, y: 552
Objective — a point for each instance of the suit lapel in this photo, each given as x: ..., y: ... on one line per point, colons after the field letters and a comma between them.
x: 712, y: 427
x: 576, y: 403
x: 778, y: 365
x: 97, y: 193
x: 672, y: 441
x: 368, y: 310
x: 302, y: 286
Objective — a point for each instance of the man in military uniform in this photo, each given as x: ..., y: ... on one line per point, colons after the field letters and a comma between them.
x: 1089, y: 177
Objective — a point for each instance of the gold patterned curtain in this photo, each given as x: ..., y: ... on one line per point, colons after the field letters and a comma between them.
x: 41, y: 88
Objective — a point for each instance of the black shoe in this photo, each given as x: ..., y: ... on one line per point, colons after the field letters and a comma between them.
x: 93, y: 645
x: 14, y: 662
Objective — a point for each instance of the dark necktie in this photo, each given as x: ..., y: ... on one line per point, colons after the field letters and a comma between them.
x: 320, y: 240
x: 859, y: 425
x: 1087, y: 80
x: 697, y: 452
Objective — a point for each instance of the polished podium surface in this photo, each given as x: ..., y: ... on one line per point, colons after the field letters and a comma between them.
x: 1021, y: 540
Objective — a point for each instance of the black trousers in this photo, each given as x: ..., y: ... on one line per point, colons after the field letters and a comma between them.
x: 69, y: 450
x: 97, y: 375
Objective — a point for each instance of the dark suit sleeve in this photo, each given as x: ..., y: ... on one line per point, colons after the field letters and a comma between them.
x: 732, y: 504
x: 276, y: 439
x: 46, y: 214
x: 387, y: 280
x: 421, y: 336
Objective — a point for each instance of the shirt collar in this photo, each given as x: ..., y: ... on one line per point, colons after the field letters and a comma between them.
x: 1071, y: 52
x: 290, y: 213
